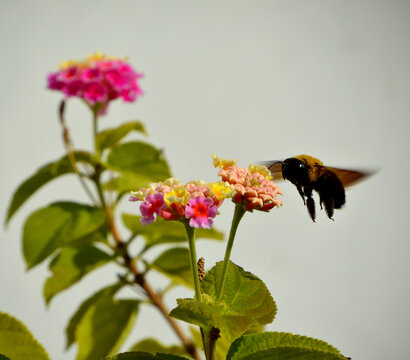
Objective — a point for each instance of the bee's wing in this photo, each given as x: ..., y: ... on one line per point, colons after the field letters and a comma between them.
x: 275, y: 167
x: 350, y: 177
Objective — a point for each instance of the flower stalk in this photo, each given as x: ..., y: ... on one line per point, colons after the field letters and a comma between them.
x: 237, y: 216
x: 190, y: 231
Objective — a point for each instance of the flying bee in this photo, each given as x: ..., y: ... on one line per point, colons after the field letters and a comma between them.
x: 308, y: 173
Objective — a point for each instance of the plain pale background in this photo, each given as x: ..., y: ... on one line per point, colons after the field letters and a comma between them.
x: 255, y: 80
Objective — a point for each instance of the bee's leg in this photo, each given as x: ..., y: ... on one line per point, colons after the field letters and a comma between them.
x: 310, y: 203
x: 301, y: 193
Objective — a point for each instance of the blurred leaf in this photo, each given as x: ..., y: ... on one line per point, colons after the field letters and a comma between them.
x: 162, y: 231
x: 245, y: 303
x: 281, y: 346
x: 175, y: 264
x: 16, y: 341
x: 129, y: 182
x: 56, y: 225
x: 104, y: 327
x: 45, y: 174
x: 153, y: 346
x: 70, y: 265
x: 3, y: 357
x: 138, y: 160
x: 111, y: 137
x: 140, y: 355
x: 107, y: 292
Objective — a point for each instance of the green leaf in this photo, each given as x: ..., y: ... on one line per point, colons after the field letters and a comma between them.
x: 3, y: 357
x: 175, y: 264
x: 162, y: 231
x: 129, y: 182
x: 70, y: 265
x: 111, y: 137
x: 153, y: 346
x: 104, y: 327
x: 140, y: 355
x: 16, y: 341
x: 58, y: 224
x: 243, y: 293
x: 207, y: 315
x: 245, y: 303
x: 107, y: 292
x: 138, y: 160
x: 45, y: 174
x: 281, y: 346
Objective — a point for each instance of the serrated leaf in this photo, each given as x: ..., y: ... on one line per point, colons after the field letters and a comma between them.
x: 244, y: 293
x: 281, y: 346
x: 70, y: 265
x: 141, y: 355
x: 58, y: 224
x: 16, y: 341
x: 175, y: 264
x: 104, y: 327
x: 162, y: 231
x: 153, y: 346
x: 107, y: 292
x: 111, y: 137
x: 43, y: 175
x: 138, y: 159
x: 245, y: 303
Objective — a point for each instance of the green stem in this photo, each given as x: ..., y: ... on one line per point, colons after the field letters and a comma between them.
x: 190, y: 232
x: 237, y: 216
x: 95, y: 130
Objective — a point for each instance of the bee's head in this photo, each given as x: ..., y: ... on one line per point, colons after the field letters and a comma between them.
x: 295, y: 170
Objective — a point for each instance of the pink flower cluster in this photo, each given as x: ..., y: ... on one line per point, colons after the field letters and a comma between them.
x: 197, y: 201
x: 98, y: 80
x: 253, y: 187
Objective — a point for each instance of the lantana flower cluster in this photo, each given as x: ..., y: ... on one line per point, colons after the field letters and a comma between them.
x: 197, y: 201
x: 254, y: 188
x: 98, y: 79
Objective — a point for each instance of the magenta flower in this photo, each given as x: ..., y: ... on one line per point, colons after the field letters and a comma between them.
x: 201, y: 211
x: 98, y: 80
x: 151, y: 207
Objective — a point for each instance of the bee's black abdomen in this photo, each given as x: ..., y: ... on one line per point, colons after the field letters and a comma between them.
x: 331, y: 192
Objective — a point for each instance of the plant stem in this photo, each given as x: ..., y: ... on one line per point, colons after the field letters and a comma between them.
x: 190, y: 232
x: 237, y: 216
x: 95, y: 131
x: 70, y: 152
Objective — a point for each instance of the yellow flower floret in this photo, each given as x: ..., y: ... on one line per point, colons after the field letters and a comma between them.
x: 97, y: 56
x: 221, y: 190
x: 179, y: 194
x: 223, y: 163
x: 261, y: 169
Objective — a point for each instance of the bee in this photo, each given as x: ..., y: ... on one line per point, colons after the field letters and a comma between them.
x: 308, y: 173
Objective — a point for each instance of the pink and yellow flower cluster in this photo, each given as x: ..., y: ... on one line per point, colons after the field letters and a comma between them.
x: 197, y: 201
x: 253, y: 187
x: 98, y: 79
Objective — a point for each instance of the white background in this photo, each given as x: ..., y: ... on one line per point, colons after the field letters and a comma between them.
x: 255, y: 80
